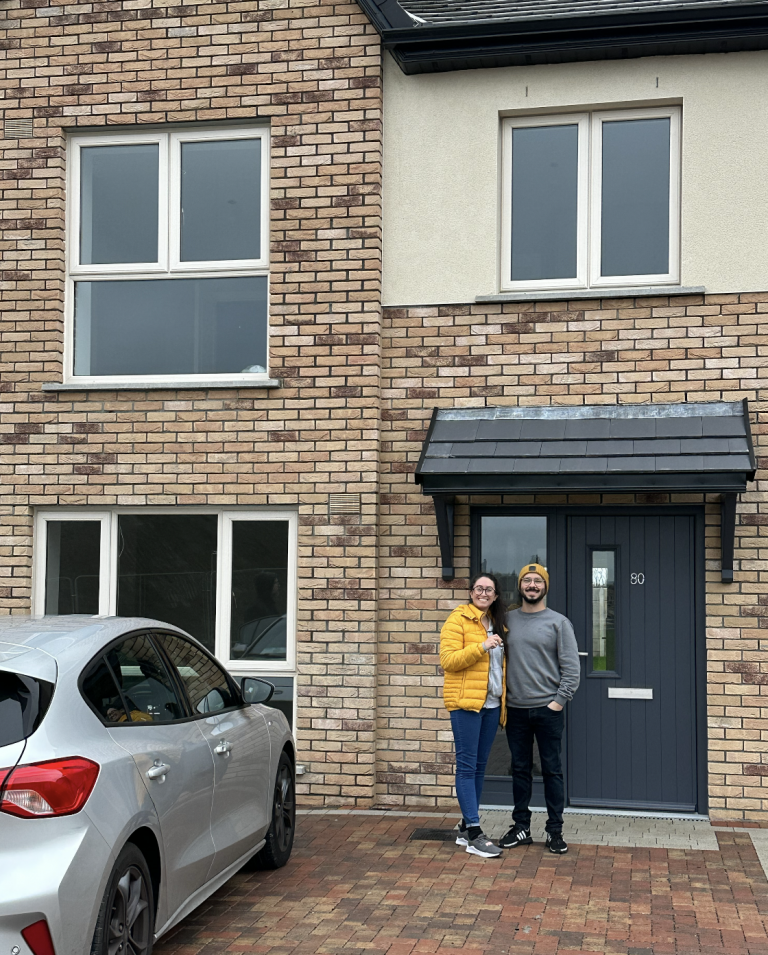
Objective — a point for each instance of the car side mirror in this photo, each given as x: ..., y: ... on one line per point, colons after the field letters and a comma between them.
x: 256, y: 691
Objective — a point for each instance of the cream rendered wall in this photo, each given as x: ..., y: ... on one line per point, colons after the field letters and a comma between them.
x: 441, y: 165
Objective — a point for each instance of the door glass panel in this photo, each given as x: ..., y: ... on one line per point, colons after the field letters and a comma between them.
x: 221, y: 200
x: 118, y: 204
x: 509, y: 542
x: 144, y: 684
x: 544, y: 202
x: 72, y: 556
x: 206, y: 684
x: 171, y: 326
x: 635, y: 197
x: 603, y: 610
x: 166, y: 569
x: 259, y: 590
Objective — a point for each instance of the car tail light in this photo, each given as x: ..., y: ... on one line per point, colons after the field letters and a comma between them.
x: 38, y: 937
x: 57, y: 787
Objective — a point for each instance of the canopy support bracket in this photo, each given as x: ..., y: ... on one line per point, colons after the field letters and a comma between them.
x: 444, y: 510
x: 727, y: 536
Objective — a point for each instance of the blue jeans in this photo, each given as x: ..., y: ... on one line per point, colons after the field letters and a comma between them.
x: 473, y: 734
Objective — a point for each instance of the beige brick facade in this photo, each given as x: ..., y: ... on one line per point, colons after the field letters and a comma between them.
x: 642, y: 350
x: 357, y: 388
x: 313, y: 73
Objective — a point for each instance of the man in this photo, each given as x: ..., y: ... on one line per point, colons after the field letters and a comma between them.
x: 542, y: 676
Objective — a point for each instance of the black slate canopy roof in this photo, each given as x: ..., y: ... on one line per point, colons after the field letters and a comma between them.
x: 680, y: 447
x: 699, y: 447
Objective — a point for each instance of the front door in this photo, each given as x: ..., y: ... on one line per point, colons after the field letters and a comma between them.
x: 632, y: 725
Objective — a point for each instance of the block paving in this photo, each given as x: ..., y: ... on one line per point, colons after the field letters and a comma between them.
x: 357, y: 883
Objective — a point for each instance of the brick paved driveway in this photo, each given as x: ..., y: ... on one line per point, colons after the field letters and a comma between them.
x: 357, y: 884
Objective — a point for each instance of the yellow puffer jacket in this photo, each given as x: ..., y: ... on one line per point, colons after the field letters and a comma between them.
x: 465, y: 662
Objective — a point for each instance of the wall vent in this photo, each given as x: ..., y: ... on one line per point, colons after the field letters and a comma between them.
x: 18, y: 128
x: 344, y: 504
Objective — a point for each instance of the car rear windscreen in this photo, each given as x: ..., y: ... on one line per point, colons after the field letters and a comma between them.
x: 23, y: 703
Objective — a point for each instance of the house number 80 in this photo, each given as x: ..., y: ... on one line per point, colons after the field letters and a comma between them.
x: 637, y: 578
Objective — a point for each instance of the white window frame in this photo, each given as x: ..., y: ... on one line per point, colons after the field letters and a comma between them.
x: 527, y: 122
x: 169, y: 265
x: 589, y: 218
x: 225, y: 518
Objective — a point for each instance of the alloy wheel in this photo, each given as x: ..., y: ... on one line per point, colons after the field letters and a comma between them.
x: 129, y: 917
x: 285, y: 808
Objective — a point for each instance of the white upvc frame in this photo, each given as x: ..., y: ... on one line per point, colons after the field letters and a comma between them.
x: 76, y: 145
x: 589, y: 215
x: 168, y: 265
x: 225, y: 518
x: 510, y: 125
x: 671, y: 277
x: 39, y: 553
x: 206, y: 136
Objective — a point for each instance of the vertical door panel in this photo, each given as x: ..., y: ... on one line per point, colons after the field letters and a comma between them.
x: 633, y: 752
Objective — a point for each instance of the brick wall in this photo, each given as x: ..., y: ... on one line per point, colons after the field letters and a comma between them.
x: 644, y: 350
x: 314, y: 72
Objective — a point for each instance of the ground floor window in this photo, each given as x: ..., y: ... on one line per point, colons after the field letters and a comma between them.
x: 228, y: 577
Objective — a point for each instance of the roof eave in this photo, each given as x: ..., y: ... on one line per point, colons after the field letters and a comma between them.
x: 445, y: 47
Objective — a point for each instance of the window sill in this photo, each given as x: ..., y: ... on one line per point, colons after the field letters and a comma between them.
x: 179, y: 384
x: 593, y: 294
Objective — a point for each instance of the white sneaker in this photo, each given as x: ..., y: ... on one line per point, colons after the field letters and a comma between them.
x: 461, y: 835
x: 482, y: 846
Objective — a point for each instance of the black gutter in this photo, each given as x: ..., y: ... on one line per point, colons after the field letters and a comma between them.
x: 439, y: 48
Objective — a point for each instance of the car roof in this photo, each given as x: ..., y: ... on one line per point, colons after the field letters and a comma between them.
x: 72, y: 640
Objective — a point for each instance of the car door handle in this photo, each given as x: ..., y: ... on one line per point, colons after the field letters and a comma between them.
x: 223, y: 748
x: 158, y: 771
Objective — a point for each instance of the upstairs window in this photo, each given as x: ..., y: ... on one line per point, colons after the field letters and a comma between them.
x: 591, y: 200
x: 168, y: 256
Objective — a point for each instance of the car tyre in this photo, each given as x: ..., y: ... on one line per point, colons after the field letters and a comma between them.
x: 126, y: 921
x: 282, y: 827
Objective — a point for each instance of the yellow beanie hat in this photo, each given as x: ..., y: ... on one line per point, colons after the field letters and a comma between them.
x: 534, y: 569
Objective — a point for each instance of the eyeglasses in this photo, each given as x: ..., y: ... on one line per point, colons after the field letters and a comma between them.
x: 527, y: 581
x: 484, y: 590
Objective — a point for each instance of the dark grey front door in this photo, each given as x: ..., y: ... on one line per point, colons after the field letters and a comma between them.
x: 632, y: 725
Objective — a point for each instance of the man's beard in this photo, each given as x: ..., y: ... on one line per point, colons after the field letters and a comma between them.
x: 533, y: 600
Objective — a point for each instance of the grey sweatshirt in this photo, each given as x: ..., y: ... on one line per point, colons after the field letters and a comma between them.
x: 542, y: 659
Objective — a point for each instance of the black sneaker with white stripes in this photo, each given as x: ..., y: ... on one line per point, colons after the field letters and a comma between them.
x: 556, y: 843
x: 517, y: 836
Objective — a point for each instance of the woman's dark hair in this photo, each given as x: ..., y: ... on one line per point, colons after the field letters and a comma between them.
x: 497, y: 610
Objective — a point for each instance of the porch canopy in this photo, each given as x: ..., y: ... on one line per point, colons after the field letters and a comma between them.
x: 664, y: 448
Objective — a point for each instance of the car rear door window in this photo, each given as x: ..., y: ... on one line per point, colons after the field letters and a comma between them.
x: 130, y: 684
x: 208, y: 687
x: 23, y: 702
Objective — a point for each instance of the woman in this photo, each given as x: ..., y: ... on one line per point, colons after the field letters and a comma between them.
x: 472, y: 656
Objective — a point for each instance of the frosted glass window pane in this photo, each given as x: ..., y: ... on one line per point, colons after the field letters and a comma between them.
x: 603, y: 610
x: 221, y: 200
x: 118, y: 204
x: 171, y: 326
x: 544, y: 202
x: 635, y: 197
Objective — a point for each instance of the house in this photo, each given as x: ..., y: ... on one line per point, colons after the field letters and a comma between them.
x: 309, y: 312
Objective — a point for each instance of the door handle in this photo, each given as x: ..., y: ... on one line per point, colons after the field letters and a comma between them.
x: 223, y: 748
x: 158, y: 771
x: 583, y: 653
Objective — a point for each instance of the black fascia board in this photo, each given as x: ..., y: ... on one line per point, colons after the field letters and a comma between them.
x: 440, y: 48
x: 750, y: 443
x: 604, y: 483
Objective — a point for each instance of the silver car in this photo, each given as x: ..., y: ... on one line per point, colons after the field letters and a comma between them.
x: 136, y: 777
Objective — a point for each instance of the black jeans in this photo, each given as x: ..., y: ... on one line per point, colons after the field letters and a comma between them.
x: 546, y: 726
